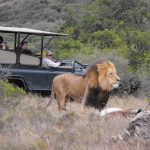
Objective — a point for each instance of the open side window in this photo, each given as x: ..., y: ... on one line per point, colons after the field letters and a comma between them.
x: 9, y: 57
x: 29, y: 60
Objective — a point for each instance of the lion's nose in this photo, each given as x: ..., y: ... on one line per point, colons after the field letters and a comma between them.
x: 118, y: 79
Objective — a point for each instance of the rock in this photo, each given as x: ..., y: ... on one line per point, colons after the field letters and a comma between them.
x: 139, y: 127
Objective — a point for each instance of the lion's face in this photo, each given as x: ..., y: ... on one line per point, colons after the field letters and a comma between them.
x: 108, y: 78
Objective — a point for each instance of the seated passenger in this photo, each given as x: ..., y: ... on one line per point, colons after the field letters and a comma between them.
x: 25, y: 48
x: 47, y: 62
x: 6, y: 45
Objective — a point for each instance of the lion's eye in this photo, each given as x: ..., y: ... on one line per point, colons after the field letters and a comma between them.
x: 111, y: 73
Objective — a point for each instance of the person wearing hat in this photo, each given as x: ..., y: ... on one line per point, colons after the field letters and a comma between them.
x: 47, y: 62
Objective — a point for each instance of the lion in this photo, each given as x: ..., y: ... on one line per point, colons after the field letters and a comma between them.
x: 92, y: 88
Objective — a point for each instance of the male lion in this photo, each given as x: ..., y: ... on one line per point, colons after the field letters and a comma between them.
x: 93, y: 88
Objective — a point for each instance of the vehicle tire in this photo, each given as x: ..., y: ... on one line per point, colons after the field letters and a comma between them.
x: 14, y: 85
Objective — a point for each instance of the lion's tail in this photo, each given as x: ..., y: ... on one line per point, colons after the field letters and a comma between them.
x: 51, y: 97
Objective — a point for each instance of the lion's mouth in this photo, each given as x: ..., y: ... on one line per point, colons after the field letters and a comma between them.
x: 116, y: 85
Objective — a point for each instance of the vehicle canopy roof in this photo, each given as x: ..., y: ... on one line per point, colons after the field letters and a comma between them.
x: 28, y: 31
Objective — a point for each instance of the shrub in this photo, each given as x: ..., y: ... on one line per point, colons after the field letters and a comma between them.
x: 106, y: 38
x: 130, y: 84
x: 10, y: 94
x: 10, y: 91
x: 138, y: 52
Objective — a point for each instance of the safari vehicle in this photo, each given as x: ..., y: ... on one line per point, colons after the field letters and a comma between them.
x: 26, y: 70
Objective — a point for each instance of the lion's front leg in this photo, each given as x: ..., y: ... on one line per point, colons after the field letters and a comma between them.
x: 84, y: 100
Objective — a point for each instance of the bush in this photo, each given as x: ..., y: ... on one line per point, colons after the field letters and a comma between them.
x: 9, y: 90
x: 106, y: 38
x: 10, y: 95
x: 138, y: 52
x: 130, y: 84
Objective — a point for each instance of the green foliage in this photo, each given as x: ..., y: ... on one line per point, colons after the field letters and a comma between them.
x: 7, y: 90
x: 10, y: 95
x: 66, y: 48
x: 99, y: 25
x: 106, y: 25
x: 139, y: 49
x: 94, y: 27
x: 69, y: 48
x: 107, y: 40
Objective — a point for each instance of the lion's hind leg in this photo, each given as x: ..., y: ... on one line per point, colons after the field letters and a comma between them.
x: 53, y: 95
x: 61, y: 100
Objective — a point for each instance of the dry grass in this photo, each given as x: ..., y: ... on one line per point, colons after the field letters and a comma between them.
x: 30, y: 127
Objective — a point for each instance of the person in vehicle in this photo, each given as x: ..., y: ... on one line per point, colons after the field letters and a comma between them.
x: 25, y: 48
x: 2, y: 46
x: 6, y: 44
x: 47, y: 62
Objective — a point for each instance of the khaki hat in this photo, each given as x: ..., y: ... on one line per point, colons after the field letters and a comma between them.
x: 48, y: 53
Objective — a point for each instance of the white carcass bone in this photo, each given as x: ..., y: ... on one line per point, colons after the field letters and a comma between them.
x: 121, y: 111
